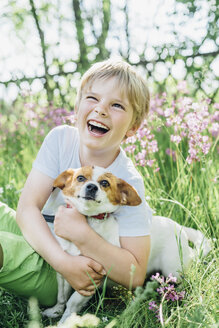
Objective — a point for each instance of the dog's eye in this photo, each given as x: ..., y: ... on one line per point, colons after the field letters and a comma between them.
x: 104, y: 183
x: 81, y: 178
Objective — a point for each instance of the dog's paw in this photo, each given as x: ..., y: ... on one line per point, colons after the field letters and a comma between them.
x: 54, y: 311
x: 65, y: 316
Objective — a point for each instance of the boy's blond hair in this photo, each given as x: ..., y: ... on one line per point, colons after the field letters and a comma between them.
x: 131, y: 83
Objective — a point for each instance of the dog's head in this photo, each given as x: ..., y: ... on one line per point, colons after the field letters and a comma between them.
x: 93, y: 190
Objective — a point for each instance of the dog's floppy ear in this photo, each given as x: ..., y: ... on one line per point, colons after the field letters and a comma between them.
x: 63, y: 179
x: 129, y: 195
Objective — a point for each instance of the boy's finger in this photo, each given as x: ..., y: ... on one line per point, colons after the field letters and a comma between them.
x: 98, y: 268
x: 86, y: 292
x: 98, y: 283
x: 91, y: 288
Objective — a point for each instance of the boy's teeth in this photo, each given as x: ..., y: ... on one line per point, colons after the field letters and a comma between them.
x: 99, y: 125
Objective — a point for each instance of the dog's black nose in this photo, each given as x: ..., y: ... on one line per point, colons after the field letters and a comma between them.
x: 90, y: 190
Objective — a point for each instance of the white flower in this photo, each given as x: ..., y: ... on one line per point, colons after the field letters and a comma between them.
x: 75, y: 320
x: 105, y: 319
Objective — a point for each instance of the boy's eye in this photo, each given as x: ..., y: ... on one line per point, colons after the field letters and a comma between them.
x: 81, y: 178
x: 104, y: 183
x: 91, y: 97
x: 118, y: 106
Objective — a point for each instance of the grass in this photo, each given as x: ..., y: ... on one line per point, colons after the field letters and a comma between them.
x: 186, y: 193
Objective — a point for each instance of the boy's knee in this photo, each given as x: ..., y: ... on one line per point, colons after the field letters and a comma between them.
x: 1, y: 257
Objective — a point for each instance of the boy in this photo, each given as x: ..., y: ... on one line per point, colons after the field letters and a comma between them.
x: 111, y: 103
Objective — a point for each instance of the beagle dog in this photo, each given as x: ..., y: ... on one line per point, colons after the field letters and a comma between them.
x: 97, y: 194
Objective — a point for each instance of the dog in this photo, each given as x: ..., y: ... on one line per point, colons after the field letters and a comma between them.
x: 97, y: 194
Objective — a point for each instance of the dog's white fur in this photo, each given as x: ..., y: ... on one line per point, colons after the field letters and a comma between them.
x: 167, y: 236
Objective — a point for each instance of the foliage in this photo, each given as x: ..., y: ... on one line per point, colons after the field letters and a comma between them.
x: 85, y: 32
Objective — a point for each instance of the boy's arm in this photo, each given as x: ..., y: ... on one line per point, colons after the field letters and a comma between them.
x: 117, y: 261
x: 37, y: 233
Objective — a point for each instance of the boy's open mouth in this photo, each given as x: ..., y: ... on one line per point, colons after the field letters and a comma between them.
x: 97, y: 127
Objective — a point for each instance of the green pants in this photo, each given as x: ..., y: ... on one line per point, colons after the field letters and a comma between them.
x: 24, y: 272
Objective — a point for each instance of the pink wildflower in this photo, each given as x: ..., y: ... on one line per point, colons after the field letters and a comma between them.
x: 168, y: 112
x: 171, y: 278
x: 33, y: 124
x: 216, y: 105
x: 175, y: 139
x: 169, y: 121
x: 131, y: 140
x: 171, y: 153
x: 150, y: 162
x: 130, y: 149
x: 142, y: 162
x: 152, y: 146
x: 166, y: 291
x: 182, y: 87
x: 158, y: 278
x: 205, y: 148
x: 141, y: 155
x: 153, y: 305
x: 215, y: 130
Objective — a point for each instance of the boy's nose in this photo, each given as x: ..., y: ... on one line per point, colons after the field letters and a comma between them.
x: 101, y: 110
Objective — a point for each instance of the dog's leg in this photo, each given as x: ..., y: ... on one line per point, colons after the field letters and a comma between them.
x: 63, y: 293
x: 75, y: 303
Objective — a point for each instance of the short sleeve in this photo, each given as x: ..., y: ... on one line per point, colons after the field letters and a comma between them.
x: 47, y: 160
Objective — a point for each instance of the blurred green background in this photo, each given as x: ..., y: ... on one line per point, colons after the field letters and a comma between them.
x: 47, y: 45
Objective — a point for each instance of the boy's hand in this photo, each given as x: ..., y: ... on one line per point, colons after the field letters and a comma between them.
x: 79, y: 271
x: 71, y: 225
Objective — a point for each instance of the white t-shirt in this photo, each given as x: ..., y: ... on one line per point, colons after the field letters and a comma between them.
x: 60, y: 151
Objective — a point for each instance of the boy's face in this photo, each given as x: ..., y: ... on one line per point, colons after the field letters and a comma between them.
x: 104, y: 116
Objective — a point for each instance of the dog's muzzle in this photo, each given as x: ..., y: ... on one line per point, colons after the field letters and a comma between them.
x: 90, y: 191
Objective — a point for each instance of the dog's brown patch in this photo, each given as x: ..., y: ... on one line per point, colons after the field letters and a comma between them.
x: 64, y: 179
x: 119, y: 191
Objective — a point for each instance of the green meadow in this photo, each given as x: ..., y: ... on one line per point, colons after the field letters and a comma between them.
x: 176, y: 152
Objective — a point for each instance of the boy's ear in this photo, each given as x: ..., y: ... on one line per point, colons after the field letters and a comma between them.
x: 131, y: 131
x: 129, y: 195
x: 63, y: 179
